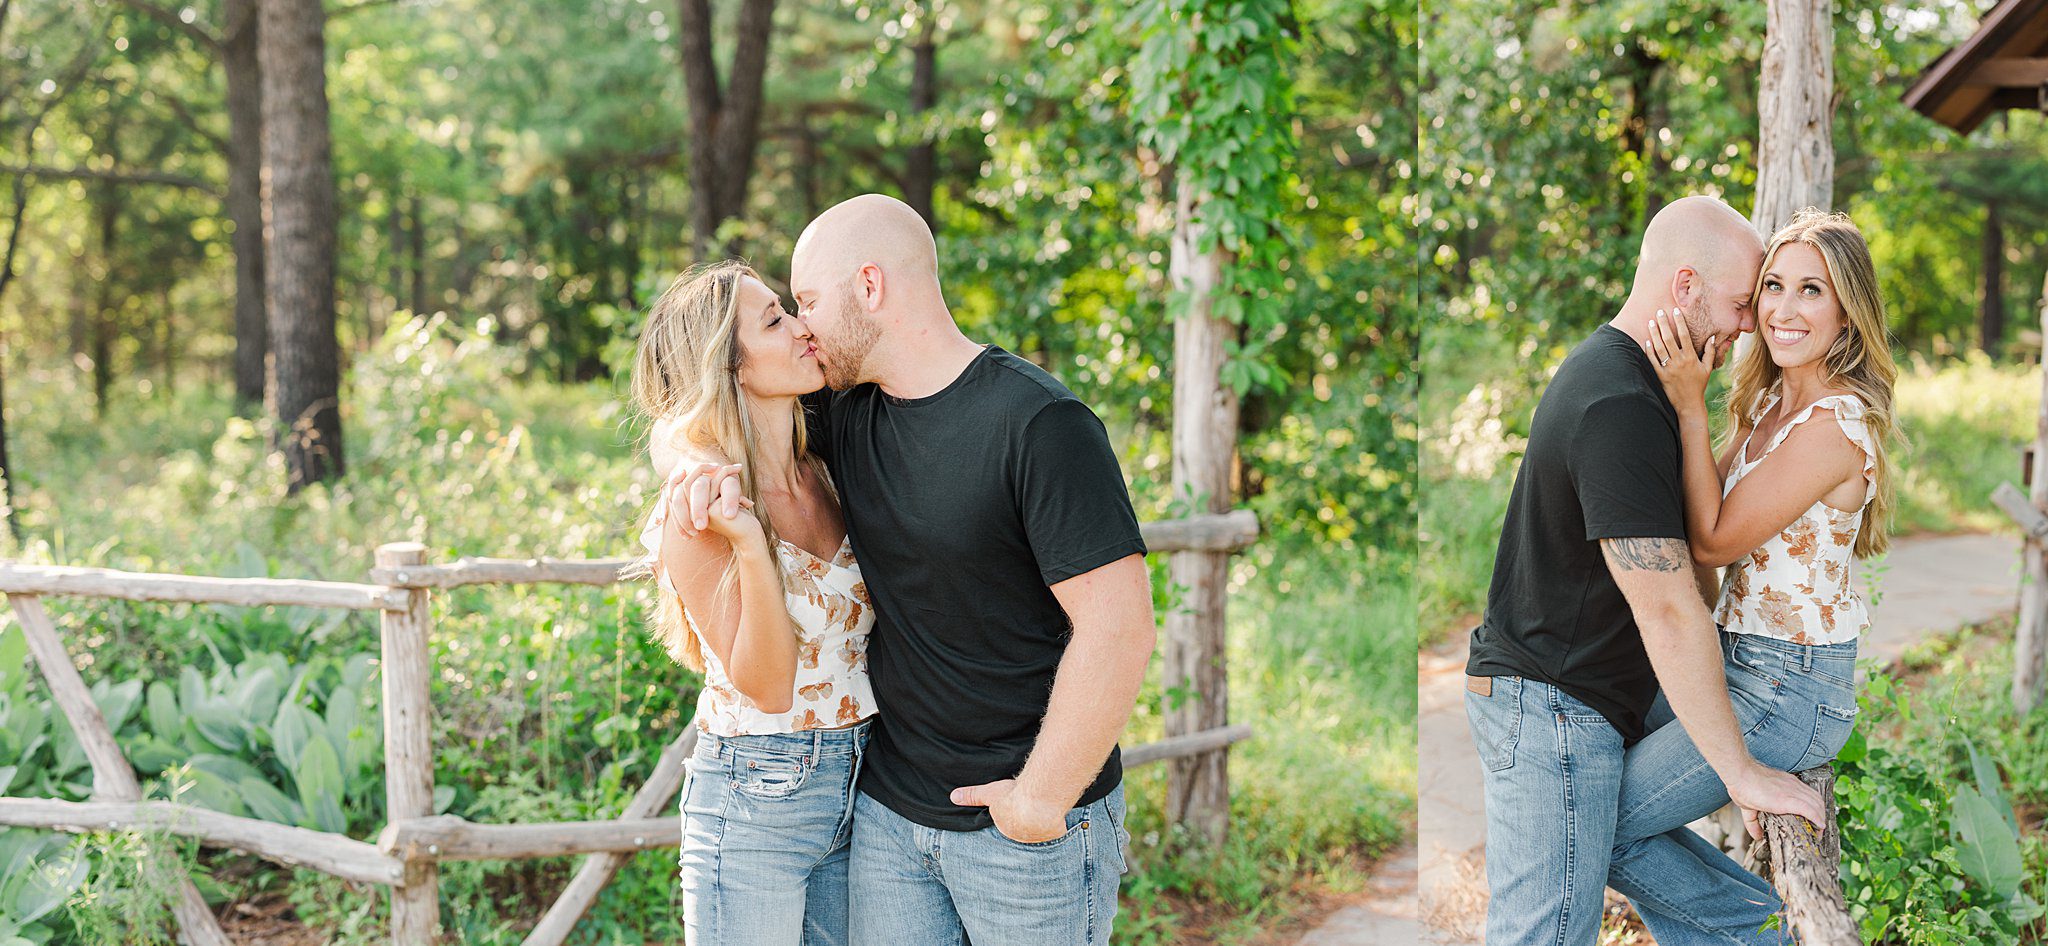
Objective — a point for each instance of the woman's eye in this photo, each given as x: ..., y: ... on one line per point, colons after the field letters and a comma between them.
x: 1771, y: 285
x: 775, y: 321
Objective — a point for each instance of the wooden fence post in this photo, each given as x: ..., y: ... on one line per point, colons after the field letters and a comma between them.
x: 1204, y: 436
x: 1805, y: 867
x: 407, y: 665
x: 2030, y: 638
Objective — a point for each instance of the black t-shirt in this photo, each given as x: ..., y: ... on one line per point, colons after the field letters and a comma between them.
x: 1602, y: 463
x: 963, y: 508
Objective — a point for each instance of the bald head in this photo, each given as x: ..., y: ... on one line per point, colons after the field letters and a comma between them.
x: 872, y: 229
x: 1700, y: 233
x: 1699, y: 257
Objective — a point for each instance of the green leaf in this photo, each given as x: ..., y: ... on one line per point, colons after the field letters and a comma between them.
x: 1985, y: 769
x: 320, y: 786
x: 162, y: 712
x: 1986, y: 849
x: 269, y: 804
x: 290, y: 731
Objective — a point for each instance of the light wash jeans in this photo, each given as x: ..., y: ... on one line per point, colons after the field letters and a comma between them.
x: 767, y: 828
x: 1796, y: 704
x: 1619, y: 815
x: 920, y: 886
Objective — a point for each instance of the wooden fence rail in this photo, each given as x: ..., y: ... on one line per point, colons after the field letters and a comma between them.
x: 408, y: 852
x: 1804, y: 865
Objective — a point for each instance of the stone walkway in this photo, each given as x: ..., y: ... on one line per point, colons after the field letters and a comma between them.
x: 1928, y: 586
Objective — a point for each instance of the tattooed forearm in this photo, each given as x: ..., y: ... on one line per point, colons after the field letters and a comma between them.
x: 1650, y: 555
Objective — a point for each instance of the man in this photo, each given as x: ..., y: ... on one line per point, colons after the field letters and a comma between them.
x: 1013, y: 606
x: 1595, y: 603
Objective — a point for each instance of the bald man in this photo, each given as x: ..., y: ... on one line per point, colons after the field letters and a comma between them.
x: 1595, y: 604
x: 1013, y: 607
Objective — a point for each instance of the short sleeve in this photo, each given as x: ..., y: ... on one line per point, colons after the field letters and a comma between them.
x: 1070, y: 493
x: 1624, y: 460
x: 818, y: 423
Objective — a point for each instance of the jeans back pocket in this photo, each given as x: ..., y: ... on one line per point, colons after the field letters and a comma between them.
x: 1831, y: 729
x: 1496, y: 720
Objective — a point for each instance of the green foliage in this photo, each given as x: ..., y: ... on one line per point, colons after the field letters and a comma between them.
x: 1931, y: 849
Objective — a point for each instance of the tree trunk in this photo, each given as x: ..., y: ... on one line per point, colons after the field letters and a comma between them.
x: 416, y: 253
x: 1204, y: 432
x: 1795, y: 166
x: 921, y: 163
x: 1795, y: 135
x: 169, y: 340
x: 724, y: 122
x: 102, y: 354
x: 245, y: 198
x: 2030, y: 637
x: 1991, y: 308
x: 299, y: 181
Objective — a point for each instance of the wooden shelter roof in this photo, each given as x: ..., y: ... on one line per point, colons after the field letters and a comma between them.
x: 2004, y: 65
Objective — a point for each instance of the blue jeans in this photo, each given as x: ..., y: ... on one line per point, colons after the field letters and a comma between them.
x: 1796, y: 704
x: 1553, y: 774
x: 767, y: 828
x: 920, y: 886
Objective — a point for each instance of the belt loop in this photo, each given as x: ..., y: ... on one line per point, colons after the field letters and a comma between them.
x: 1806, y: 658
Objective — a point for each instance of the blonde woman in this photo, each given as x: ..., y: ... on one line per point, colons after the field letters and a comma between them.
x: 1802, y: 485
x: 761, y: 594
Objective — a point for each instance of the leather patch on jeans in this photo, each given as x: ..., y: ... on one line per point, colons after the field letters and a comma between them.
x: 1480, y: 685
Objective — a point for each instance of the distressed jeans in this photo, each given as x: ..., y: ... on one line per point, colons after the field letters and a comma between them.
x: 767, y: 831
x: 1796, y: 704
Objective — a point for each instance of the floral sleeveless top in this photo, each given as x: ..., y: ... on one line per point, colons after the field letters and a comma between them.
x: 829, y: 606
x: 1795, y: 587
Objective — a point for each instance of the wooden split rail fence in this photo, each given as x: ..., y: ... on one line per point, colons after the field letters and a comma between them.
x: 407, y: 853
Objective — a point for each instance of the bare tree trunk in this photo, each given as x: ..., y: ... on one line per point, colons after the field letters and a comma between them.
x: 921, y: 163
x: 299, y: 185
x: 102, y: 353
x: 168, y: 348
x: 724, y: 122
x: 1204, y: 433
x: 416, y: 253
x: 1795, y: 166
x: 2030, y: 637
x: 245, y: 197
x: 1795, y: 135
x: 1991, y: 307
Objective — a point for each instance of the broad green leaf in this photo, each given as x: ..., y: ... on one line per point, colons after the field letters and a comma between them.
x: 164, y: 719
x: 269, y: 804
x: 1986, y: 848
x: 320, y: 786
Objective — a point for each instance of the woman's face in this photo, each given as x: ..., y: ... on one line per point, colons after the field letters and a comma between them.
x: 1798, y: 311
x: 777, y: 358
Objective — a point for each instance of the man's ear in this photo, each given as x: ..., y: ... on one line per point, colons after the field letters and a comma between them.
x: 1685, y: 286
x: 870, y: 278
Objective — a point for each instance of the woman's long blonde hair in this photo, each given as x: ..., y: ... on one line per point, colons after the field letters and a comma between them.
x: 1860, y: 358
x: 686, y: 381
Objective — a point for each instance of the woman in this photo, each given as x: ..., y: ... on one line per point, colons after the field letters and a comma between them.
x: 763, y: 597
x: 1803, y: 484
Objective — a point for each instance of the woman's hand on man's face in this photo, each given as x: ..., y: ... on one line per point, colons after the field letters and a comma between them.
x: 1682, y: 369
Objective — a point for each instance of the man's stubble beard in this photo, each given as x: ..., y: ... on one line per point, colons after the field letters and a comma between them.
x: 847, y: 350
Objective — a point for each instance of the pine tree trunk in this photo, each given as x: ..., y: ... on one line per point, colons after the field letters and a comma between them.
x: 245, y: 198
x: 724, y: 121
x: 1991, y: 307
x: 299, y: 181
x: 921, y: 164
